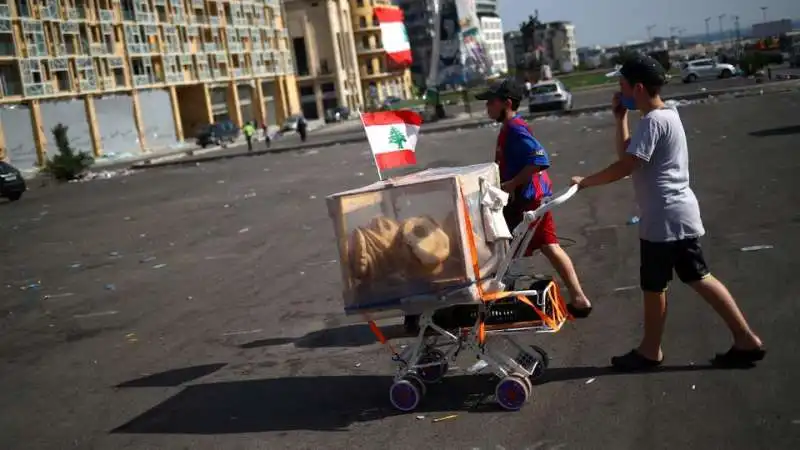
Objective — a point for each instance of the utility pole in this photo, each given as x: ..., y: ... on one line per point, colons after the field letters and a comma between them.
x: 738, y: 34
x: 721, y: 29
x: 764, y: 13
x: 708, y: 30
x: 650, y: 32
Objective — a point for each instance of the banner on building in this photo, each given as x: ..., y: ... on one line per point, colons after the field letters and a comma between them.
x: 394, y: 37
x: 476, y: 62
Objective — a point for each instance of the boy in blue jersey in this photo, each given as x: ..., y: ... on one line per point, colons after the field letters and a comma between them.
x: 523, y: 166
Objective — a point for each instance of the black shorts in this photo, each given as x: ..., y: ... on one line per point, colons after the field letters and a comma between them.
x: 659, y: 259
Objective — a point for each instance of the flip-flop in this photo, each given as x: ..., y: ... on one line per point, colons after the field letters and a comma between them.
x: 738, y: 358
x: 578, y: 313
x: 633, y: 361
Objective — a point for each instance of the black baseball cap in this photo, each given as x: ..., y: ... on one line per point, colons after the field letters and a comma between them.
x: 507, y: 88
x: 643, y: 69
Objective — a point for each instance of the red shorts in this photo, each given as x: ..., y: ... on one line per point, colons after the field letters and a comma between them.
x: 545, y: 233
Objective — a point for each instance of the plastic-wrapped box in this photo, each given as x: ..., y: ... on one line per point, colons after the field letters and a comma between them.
x: 403, y: 243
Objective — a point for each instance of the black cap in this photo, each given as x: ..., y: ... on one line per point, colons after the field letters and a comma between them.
x: 506, y: 88
x: 645, y: 70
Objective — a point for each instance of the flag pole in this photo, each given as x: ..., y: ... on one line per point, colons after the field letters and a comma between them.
x: 374, y: 158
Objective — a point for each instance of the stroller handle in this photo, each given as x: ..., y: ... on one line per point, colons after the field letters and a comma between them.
x: 552, y: 201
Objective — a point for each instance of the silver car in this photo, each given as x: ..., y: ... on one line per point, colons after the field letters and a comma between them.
x: 548, y: 96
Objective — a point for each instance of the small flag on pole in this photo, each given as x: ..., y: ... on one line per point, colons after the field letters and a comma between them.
x: 394, y: 37
x: 392, y: 136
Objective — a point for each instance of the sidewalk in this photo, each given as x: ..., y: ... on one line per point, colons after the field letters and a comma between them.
x: 319, y: 139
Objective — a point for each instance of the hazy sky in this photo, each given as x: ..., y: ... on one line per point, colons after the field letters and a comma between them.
x: 608, y: 22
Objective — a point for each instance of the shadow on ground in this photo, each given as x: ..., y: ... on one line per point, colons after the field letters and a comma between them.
x: 346, y: 336
x: 781, y: 131
x: 321, y: 403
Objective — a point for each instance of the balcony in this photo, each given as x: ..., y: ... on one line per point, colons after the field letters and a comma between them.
x: 49, y: 12
x: 209, y: 47
x: 175, y: 77
x: 5, y: 11
x: 11, y: 88
x: 7, y: 49
x: 106, y: 15
x: 38, y: 89
x: 143, y: 80
x: 74, y: 13
x: 37, y: 49
x: 88, y: 85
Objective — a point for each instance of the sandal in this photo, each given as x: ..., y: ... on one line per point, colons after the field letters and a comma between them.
x: 578, y: 313
x: 738, y: 358
x: 633, y: 361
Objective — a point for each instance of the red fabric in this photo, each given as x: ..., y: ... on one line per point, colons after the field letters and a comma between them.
x: 545, y: 234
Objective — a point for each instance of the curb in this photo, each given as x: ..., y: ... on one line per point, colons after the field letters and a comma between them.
x: 771, y: 88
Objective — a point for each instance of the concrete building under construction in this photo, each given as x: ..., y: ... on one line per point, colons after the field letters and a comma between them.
x: 212, y: 58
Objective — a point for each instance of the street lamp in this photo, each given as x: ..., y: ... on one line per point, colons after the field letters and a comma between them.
x: 721, y: 30
x: 764, y: 12
x: 708, y: 30
x: 649, y: 32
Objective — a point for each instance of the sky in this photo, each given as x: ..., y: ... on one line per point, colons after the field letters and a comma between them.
x: 612, y: 22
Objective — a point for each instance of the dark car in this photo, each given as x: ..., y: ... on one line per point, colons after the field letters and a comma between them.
x: 218, y: 134
x: 337, y: 114
x: 12, y: 185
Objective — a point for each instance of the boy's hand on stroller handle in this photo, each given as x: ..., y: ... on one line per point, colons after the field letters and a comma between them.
x: 553, y: 201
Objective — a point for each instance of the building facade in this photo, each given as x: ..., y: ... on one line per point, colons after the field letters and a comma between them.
x: 559, y: 47
x: 495, y: 47
x: 214, y: 59
x: 515, y: 49
x: 339, y: 57
x: 486, y: 7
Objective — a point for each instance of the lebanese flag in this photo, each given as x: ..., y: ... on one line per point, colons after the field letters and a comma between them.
x: 392, y: 136
x: 394, y: 37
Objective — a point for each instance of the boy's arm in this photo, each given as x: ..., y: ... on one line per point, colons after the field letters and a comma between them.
x: 639, y: 151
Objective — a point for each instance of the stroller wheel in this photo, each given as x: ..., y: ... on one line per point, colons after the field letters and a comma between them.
x: 433, y: 373
x: 542, y: 361
x: 512, y: 393
x: 405, y: 394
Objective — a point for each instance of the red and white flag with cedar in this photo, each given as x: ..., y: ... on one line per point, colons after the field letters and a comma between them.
x: 392, y: 136
x: 394, y: 37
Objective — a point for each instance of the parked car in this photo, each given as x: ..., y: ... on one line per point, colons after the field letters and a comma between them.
x: 12, y: 184
x: 218, y: 133
x: 290, y: 124
x: 337, y: 114
x: 549, y: 95
x: 706, y: 68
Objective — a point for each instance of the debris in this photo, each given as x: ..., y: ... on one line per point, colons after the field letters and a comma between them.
x: 54, y: 296
x: 625, y: 288
x: 755, y: 248
x: 250, y: 195
x: 694, y: 387
x: 312, y: 196
x: 442, y: 419
x: 359, y: 174
x: 97, y: 314
x: 148, y: 259
x: 114, y: 254
x: 159, y: 266
x: 220, y: 181
x: 590, y: 381
x: 358, y: 364
x: 238, y: 333
x: 633, y: 220
x: 581, y: 162
x: 244, y: 230
x: 126, y: 218
x: 420, y: 417
x: 75, y: 266
x: 110, y: 287
x: 36, y: 285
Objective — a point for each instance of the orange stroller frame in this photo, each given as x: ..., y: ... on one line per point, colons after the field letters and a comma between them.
x: 427, y: 360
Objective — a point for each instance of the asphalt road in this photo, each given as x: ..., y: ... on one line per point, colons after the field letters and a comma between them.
x: 198, y: 307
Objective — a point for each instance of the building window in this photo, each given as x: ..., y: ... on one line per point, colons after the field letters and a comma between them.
x: 359, y: 3
x: 375, y: 22
x: 365, y: 42
x: 362, y: 22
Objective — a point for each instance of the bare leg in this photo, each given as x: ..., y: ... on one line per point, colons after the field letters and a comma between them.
x: 717, y: 295
x: 655, y: 314
x: 563, y: 265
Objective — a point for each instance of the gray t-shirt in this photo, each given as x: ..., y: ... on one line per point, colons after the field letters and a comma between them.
x: 669, y: 209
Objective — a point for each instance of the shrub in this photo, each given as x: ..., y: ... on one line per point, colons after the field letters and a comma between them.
x: 67, y: 164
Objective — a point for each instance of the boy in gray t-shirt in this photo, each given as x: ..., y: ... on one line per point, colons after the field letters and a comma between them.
x: 657, y: 156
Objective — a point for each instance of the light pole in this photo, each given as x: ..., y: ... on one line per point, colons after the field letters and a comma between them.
x: 708, y: 30
x: 721, y: 30
x: 764, y: 13
x: 650, y: 32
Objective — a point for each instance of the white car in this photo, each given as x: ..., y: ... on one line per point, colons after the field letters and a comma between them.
x: 707, y: 68
x: 549, y: 95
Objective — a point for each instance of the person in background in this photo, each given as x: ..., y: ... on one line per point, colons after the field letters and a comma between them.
x: 528, y: 87
x: 265, y: 130
x: 302, y: 127
x: 249, y: 129
x: 657, y: 156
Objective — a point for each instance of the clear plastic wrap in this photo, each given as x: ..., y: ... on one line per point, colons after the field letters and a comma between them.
x: 403, y: 244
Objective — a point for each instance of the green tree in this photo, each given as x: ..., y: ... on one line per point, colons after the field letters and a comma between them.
x: 397, y: 138
x: 67, y: 164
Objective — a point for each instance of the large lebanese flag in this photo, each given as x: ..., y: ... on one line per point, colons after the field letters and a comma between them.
x: 392, y: 136
x: 394, y: 37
